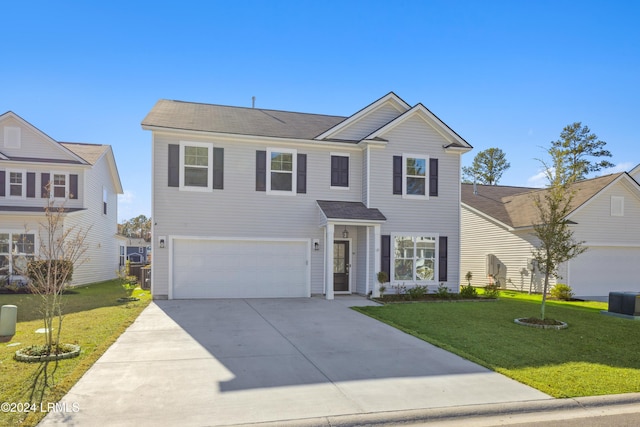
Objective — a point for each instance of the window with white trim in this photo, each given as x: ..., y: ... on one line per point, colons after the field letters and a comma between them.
x: 414, y: 175
x: 196, y: 166
x: 414, y: 258
x: 122, y: 256
x: 59, y: 184
x: 105, y: 199
x: 16, y: 250
x: 281, y: 170
x: 16, y: 184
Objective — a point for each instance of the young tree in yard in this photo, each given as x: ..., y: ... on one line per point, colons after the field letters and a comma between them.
x: 487, y: 167
x: 556, y: 244
x: 579, y: 145
x: 61, y: 248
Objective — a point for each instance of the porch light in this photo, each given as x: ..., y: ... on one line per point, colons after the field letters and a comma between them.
x: 345, y: 233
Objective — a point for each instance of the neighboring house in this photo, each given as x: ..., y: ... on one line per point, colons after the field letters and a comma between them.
x: 262, y: 203
x: 83, y: 177
x: 498, y: 237
x: 138, y: 250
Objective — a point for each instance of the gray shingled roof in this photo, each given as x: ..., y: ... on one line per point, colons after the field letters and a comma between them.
x: 238, y: 120
x: 349, y: 210
x: 514, y: 206
x: 89, y: 152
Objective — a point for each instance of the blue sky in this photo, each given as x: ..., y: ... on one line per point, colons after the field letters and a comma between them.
x: 507, y: 74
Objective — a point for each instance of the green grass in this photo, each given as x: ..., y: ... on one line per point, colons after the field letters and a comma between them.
x: 596, y: 355
x: 94, y: 319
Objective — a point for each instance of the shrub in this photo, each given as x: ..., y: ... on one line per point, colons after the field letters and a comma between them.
x: 468, y: 292
x: 417, y: 292
x: 442, y: 291
x: 401, y: 289
x: 492, y: 291
x: 562, y: 291
x: 38, y: 272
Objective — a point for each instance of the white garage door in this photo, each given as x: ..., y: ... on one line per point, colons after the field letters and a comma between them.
x: 599, y: 271
x: 240, y: 269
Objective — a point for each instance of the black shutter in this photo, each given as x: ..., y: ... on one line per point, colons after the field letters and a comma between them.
x: 2, y: 183
x: 261, y: 170
x: 31, y: 184
x: 442, y: 259
x: 44, y: 181
x: 174, y: 166
x: 335, y: 171
x: 301, y: 179
x: 218, y: 168
x: 397, y: 174
x: 73, y: 186
x: 385, y: 254
x: 433, y: 177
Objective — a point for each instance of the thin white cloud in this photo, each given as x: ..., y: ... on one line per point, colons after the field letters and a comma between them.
x: 620, y: 167
x: 127, y: 198
x: 538, y: 180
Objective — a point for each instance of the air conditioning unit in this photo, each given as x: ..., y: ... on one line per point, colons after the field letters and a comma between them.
x: 624, y: 303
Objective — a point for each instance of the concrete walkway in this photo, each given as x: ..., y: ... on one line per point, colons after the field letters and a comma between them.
x: 225, y: 362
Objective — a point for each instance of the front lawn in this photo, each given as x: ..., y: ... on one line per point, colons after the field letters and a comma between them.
x: 595, y: 355
x: 94, y: 319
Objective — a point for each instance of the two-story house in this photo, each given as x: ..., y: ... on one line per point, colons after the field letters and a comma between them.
x: 249, y: 202
x: 81, y: 178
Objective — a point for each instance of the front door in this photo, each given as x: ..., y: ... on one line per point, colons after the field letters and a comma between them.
x: 341, y: 266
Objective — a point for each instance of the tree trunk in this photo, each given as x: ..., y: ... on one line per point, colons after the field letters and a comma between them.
x: 544, y: 294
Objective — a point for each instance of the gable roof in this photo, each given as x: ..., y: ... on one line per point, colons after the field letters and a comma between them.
x: 71, y: 157
x: 514, y: 206
x: 389, y: 99
x: 455, y: 140
x: 237, y: 120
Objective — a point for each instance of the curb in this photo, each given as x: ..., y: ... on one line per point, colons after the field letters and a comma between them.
x: 460, y: 412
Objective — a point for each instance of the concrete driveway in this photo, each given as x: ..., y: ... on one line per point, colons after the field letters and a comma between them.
x: 222, y: 362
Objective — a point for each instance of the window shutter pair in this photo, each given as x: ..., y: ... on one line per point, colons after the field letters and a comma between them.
x: 174, y: 167
x: 45, y: 181
x: 397, y: 176
x: 385, y: 256
x: 339, y: 171
x: 261, y: 172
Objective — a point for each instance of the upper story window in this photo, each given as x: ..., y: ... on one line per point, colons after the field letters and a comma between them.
x: 196, y: 160
x: 105, y: 198
x: 281, y: 170
x: 340, y: 171
x: 16, y: 184
x: 195, y: 166
x: 415, y: 176
x: 59, y: 185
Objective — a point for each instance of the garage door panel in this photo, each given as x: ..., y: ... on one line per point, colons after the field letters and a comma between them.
x: 239, y: 269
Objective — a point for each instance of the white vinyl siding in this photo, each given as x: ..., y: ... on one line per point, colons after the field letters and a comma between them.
x: 369, y: 123
x: 424, y: 216
x: 32, y: 144
x: 12, y: 137
x: 240, y: 210
x: 482, y: 237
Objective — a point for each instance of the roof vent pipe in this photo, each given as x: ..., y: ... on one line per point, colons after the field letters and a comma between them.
x: 475, y: 188
x: 253, y: 102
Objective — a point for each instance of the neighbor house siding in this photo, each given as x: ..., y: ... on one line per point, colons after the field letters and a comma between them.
x: 239, y: 210
x: 101, y: 257
x: 32, y: 145
x: 481, y: 237
x: 436, y: 215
